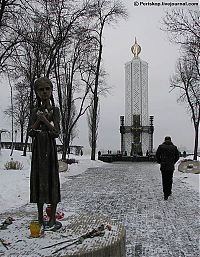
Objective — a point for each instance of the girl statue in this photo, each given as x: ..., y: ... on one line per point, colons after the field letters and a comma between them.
x: 44, y: 179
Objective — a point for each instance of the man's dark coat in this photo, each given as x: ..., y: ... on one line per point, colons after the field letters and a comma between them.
x: 167, y: 155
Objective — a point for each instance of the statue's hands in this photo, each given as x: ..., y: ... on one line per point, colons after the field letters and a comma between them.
x: 41, y: 117
x: 39, y: 113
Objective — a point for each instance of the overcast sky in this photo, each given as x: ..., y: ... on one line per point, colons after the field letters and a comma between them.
x: 170, y: 118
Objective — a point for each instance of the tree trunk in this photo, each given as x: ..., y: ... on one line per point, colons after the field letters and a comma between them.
x: 12, y: 118
x: 94, y: 126
x: 22, y: 134
x: 31, y: 108
x: 196, y: 138
x: 26, y: 139
x: 65, y: 147
x: 94, y: 116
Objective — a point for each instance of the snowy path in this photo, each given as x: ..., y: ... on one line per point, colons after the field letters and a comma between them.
x: 131, y: 193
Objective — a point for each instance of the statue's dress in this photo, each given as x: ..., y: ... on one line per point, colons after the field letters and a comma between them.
x: 44, y: 179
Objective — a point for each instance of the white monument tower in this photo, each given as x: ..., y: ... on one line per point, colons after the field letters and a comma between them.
x: 136, y: 129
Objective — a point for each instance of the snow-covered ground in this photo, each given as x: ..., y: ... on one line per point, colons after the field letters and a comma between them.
x: 193, y: 180
x: 14, y: 184
x: 14, y: 193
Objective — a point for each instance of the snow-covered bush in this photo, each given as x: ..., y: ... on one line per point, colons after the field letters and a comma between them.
x: 13, y: 165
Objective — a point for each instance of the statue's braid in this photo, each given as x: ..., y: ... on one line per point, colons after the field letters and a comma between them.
x: 52, y: 100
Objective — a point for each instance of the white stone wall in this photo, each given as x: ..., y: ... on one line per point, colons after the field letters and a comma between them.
x: 128, y: 94
x: 136, y: 99
x: 144, y: 93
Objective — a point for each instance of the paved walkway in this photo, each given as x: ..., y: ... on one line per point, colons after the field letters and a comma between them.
x: 131, y: 193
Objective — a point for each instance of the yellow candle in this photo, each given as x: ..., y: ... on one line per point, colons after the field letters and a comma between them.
x: 35, y: 228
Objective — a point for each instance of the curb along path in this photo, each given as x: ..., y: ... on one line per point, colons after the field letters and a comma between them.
x: 131, y: 193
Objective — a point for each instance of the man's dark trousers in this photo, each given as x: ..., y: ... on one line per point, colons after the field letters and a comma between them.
x: 167, y: 180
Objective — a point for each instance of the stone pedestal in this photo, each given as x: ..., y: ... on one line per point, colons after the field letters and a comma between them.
x: 112, y: 244
x: 189, y: 166
x: 63, y: 166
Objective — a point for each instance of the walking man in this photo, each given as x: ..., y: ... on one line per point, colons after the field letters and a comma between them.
x: 167, y: 155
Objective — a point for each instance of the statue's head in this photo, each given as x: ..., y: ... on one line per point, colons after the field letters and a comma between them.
x: 42, y: 82
x: 43, y: 88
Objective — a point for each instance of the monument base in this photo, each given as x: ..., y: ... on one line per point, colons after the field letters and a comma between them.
x: 123, y: 158
x: 63, y: 166
x: 111, y: 244
x: 189, y: 166
x: 67, y: 241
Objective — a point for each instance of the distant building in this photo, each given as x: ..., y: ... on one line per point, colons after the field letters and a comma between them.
x: 136, y: 127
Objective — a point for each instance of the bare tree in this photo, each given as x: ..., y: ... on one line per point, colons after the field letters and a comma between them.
x: 12, y: 116
x: 72, y: 94
x: 27, y: 61
x: 60, y: 19
x: 182, y: 26
x: 103, y: 13
x: 56, y: 47
x: 90, y: 122
x: 184, y: 29
x: 55, y: 39
x: 48, y: 31
x: 42, y: 36
x: 187, y: 80
x: 10, y: 36
x: 20, y: 112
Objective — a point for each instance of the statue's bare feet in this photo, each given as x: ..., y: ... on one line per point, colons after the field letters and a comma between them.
x: 53, y: 226
x: 51, y: 223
